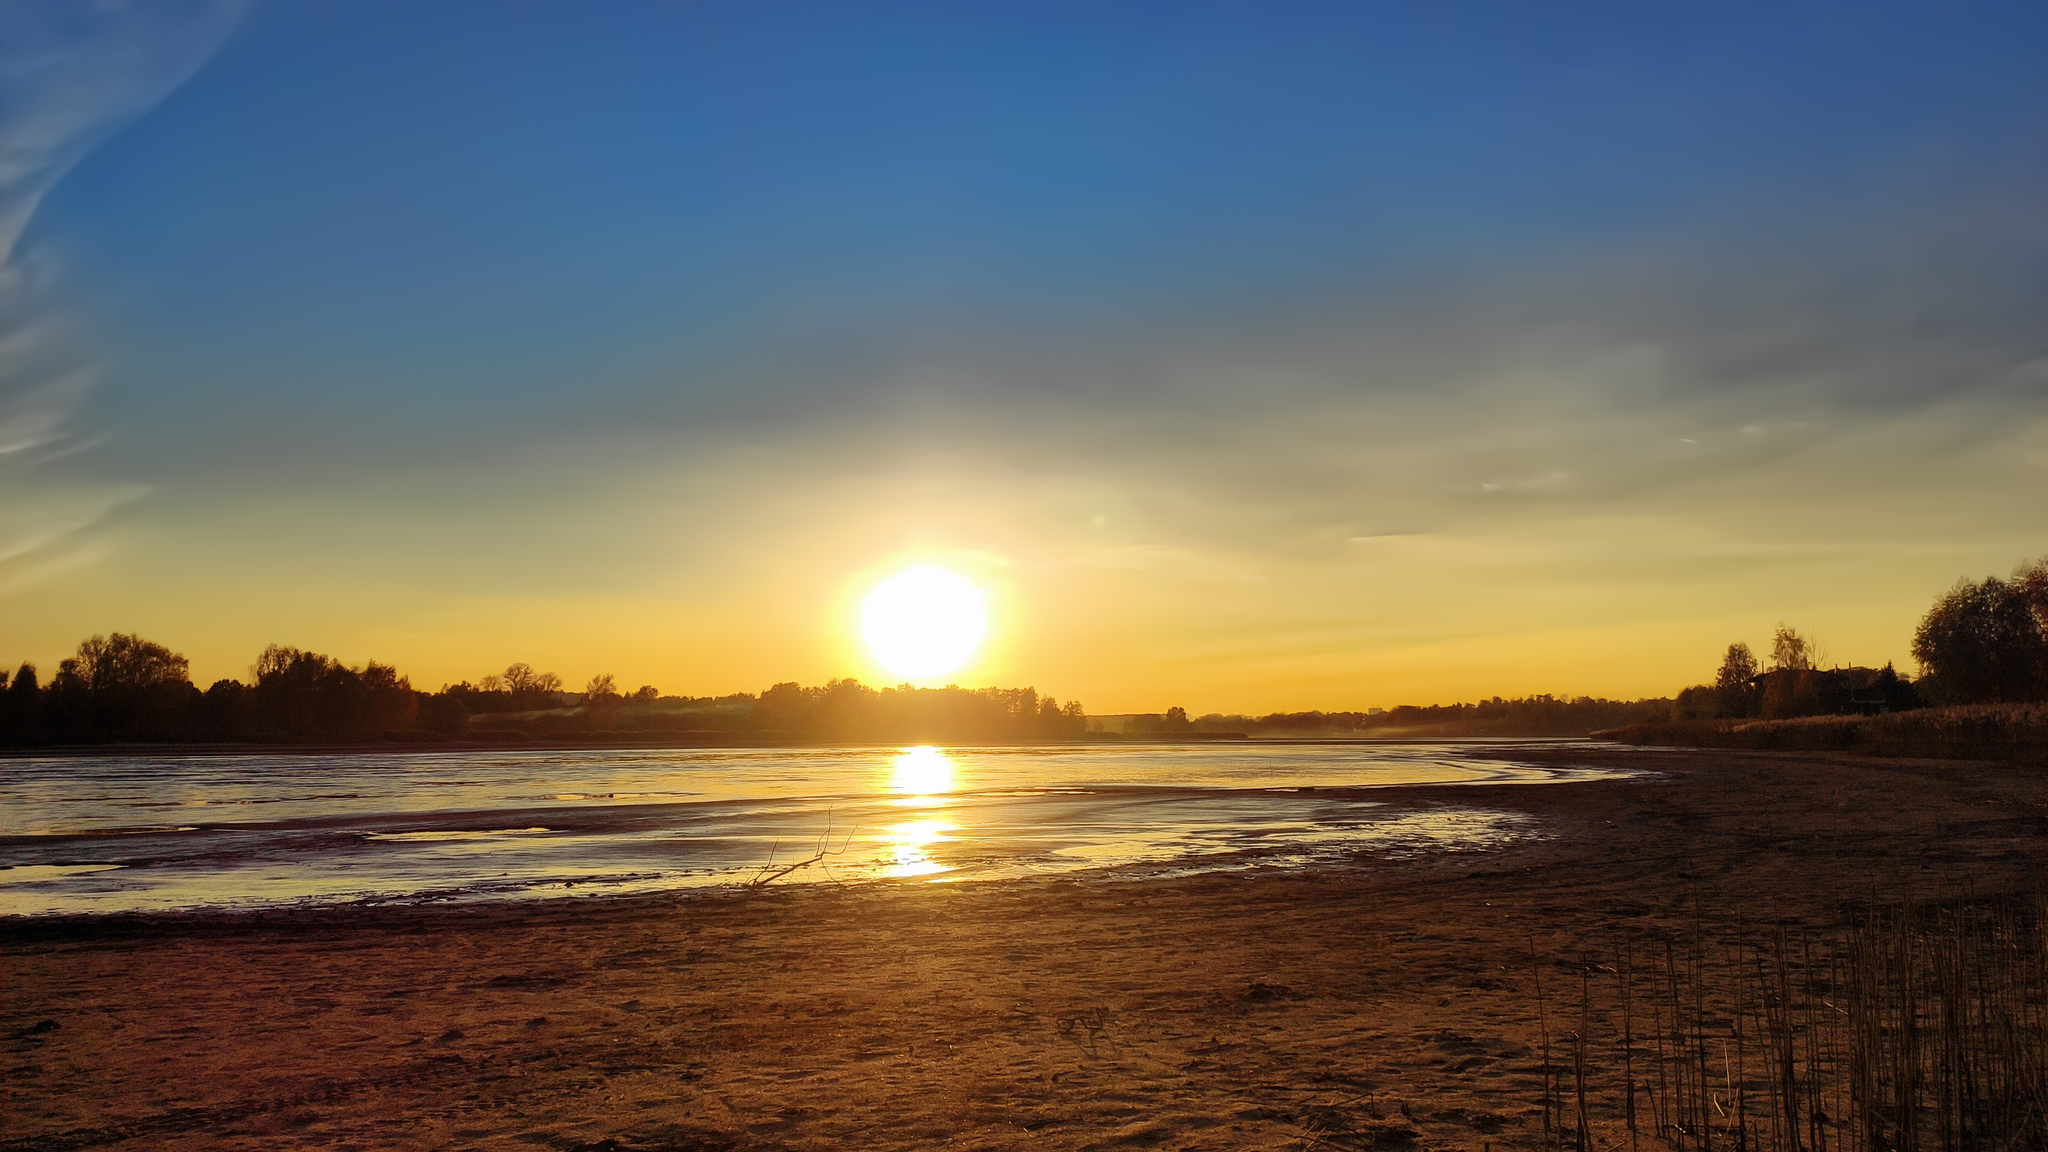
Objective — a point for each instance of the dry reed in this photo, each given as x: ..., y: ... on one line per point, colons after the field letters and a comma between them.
x: 2012, y: 733
x: 1914, y: 1029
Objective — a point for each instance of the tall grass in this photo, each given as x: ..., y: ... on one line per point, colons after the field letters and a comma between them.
x: 1915, y: 1029
x: 2014, y: 733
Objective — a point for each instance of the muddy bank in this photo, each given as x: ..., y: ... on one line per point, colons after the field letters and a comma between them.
x: 1390, y: 1002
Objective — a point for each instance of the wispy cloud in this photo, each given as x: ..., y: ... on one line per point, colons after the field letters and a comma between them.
x: 71, y: 73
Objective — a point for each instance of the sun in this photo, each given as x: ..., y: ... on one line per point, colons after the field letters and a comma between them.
x: 923, y: 622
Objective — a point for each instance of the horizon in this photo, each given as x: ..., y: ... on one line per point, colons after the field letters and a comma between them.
x: 492, y: 682
x: 1248, y: 360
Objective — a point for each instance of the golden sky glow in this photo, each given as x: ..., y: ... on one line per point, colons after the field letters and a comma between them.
x: 1277, y: 363
x: 1169, y: 598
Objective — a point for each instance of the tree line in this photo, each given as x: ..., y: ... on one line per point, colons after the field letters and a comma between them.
x: 125, y: 689
x: 1982, y: 642
x: 1541, y: 715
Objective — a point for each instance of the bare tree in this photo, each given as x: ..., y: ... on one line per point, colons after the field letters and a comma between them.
x: 530, y: 688
x: 1790, y: 651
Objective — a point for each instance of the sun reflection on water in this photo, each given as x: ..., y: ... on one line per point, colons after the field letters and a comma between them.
x: 907, y: 847
x: 920, y: 777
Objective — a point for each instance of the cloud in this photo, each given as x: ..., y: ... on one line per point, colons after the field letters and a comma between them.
x: 71, y: 73
x: 1751, y: 403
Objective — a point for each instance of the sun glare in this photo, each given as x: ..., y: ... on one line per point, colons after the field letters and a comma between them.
x: 923, y: 622
x: 921, y: 774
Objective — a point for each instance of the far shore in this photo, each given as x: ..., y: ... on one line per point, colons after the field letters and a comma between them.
x: 1106, y: 739
x: 2009, y: 733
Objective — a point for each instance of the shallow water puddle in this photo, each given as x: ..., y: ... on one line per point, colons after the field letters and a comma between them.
x: 78, y: 834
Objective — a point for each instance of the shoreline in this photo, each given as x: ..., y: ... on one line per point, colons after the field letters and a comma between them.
x: 1097, y: 740
x: 1016, y: 814
x: 1229, y: 1010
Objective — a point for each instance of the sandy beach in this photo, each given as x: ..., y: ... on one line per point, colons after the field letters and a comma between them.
x: 1388, y: 1003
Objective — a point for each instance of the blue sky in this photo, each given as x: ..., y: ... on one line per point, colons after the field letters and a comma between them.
x: 604, y: 308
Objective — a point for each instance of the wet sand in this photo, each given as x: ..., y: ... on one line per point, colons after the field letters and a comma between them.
x: 1389, y: 1002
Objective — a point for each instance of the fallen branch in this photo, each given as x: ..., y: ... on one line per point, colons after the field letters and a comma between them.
x: 770, y: 873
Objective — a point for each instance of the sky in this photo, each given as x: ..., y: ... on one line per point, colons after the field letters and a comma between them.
x: 1248, y: 356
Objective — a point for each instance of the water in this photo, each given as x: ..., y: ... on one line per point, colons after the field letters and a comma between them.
x: 154, y: 833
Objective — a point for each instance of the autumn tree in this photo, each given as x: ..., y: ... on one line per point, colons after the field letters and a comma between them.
x: 1735, y: 684
x: 2032, y: 580
x: 1984, y: 643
